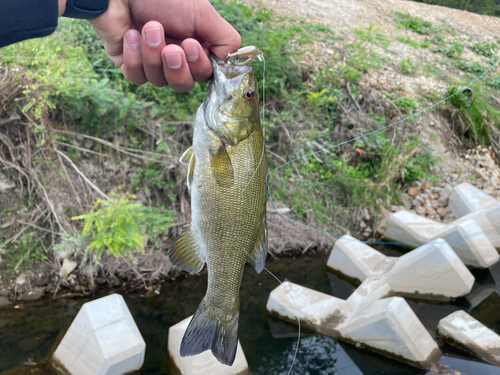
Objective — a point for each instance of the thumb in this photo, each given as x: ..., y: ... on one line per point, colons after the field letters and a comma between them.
x: 216, y: 31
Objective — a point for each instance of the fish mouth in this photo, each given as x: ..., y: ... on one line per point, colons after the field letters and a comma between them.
x: 220, y: 91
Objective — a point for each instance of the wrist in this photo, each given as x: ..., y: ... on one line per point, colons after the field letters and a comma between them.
x: 62, y: 7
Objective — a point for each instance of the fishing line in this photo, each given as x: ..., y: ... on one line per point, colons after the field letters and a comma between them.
x: 360, y: 137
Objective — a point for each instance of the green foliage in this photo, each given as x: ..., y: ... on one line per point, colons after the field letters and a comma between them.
x: 120, y: 227
x: 406, y: 104
x: 469, y: 66
x: 485, y: 48
x: 412, y: 42
x: 416, y: 24
x: 406, y: 66
x: 475, y: 112
x: 454, y: 50
x: 372, y: 35
x: 493, y: 82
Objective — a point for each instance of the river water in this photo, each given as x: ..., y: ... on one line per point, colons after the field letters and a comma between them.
x: 28, y: 333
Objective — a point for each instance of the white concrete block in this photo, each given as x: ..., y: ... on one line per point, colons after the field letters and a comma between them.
x: 466, y: 198
x: 102, y: 340
x: 470, y: 243
x: 465, y: 236
x: 391, y: 326
x: 461, y: 329
x: 204, y: 363
x: 357, y: 260
x: 292, y: 301
x: 388, y: 325
x: 432, y: 269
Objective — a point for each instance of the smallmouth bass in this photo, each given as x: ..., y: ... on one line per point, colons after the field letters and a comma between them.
x: 227, y: 168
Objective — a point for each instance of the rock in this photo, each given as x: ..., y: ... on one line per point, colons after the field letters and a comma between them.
x: 381, y: 229
x: 431, y: 196
x: 462, y: 330
x: 413, y: 191
x: 21, y: 279
x: 32, y: 295
x: 4, y: 302
x: 485, y: 161
x: 416, y: 203
x: 420, y: 210
x: 394, y: 208
x: 425, y: 186
x: 430, y: 211
x: 443, y: 211
x: 416, y: 184
x: 6, y: 184
x: 362, y: 224
x: 431, y: 217
x: 204, y: 363
x: 443, y: 198
x: 67, y: 267
x: 437, y: 190
x: 103, y: 339
x: 4, y: 293
x: 421, y: 199
x: 478, y: 172
x: 405, y: 200
x: 448, y: 187
x: 448, y: 218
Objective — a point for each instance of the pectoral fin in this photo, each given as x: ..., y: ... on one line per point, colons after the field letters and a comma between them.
x: 185, y: 252
x: 188, y: 159
x: 222, y: 168
x: 257, y: 257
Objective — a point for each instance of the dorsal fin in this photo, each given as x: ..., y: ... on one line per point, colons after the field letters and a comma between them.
x: 257, y: 257
x: 185, y: 252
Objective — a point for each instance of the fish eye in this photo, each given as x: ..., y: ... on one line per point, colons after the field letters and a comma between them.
x: 248, y: 94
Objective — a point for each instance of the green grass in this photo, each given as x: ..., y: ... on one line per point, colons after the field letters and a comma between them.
x: 412, y: 42
x: 416, y: 24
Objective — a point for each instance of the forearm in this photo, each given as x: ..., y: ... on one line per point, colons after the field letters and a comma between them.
x: 25, y: 19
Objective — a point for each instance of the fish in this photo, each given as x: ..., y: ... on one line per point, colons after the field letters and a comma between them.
x: 226, y: 176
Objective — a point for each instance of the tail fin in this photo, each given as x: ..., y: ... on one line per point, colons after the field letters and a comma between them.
x: 207, y: 331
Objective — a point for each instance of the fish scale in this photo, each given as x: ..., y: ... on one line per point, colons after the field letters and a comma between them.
x: 226, y: 176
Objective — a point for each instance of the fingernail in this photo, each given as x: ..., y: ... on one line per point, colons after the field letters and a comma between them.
x: 173, y: 60
x: 191, y: 51
x: 133, y: 39
x: 153, y: 36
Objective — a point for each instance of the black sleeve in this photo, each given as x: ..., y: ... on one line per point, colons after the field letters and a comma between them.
x: 26, y: 19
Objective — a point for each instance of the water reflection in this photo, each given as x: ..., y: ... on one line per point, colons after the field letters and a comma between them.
x: 29, y: 332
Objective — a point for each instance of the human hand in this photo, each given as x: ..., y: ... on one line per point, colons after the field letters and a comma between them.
x: 165, y: 42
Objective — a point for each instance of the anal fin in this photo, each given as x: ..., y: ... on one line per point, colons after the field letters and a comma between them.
x: 185, y: 252
x: 257, y: 257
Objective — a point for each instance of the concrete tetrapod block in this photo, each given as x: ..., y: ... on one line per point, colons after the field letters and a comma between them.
x: 204, y: 363
x: 466, y: 198
x: 433, y: 269
x: 103, y: 339
x: 462, y: 330
x: 439, y: 270
x: 356, y: 260
x: 388, y: 326
x: 292, y: 301
x: 465, y: 236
